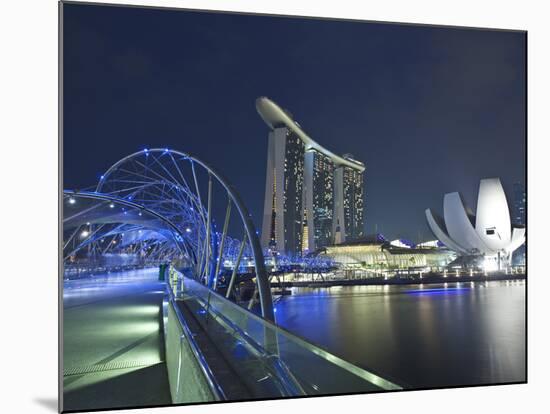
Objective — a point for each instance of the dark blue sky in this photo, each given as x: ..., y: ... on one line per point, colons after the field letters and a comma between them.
x: 429, y: 110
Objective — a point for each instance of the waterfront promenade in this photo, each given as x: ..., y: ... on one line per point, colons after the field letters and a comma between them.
x: 316, y: 280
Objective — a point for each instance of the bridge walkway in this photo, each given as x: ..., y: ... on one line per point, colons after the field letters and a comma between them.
x: 113, y: 344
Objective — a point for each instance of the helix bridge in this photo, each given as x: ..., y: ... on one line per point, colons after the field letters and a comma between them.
x: 163, y: 206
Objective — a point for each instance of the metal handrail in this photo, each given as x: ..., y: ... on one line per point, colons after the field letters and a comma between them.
x: 213, y: 384
x: 347, y: 366
x: 292, y: 385
x: 288, y: 384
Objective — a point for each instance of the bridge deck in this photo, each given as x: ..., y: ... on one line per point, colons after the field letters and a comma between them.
x: 113, y: 342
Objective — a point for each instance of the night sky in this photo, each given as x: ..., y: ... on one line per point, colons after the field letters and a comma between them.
x: 428, y: 110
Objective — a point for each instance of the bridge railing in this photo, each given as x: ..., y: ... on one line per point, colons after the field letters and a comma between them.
x: 190, y: 377
x: 293, y: 365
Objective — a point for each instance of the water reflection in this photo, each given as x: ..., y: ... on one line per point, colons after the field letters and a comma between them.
x: 423, y: 335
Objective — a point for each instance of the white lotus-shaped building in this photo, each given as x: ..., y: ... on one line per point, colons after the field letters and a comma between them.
x: 489, y: 233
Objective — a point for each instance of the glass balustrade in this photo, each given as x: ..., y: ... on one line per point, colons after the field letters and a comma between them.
x: 271, y: 361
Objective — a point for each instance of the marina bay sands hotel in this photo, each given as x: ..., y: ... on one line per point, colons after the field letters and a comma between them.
x: 313, y: 197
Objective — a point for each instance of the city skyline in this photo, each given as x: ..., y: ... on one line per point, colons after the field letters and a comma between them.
x: 426, y: 110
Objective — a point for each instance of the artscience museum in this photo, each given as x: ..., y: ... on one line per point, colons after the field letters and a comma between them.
x: 487, y: 235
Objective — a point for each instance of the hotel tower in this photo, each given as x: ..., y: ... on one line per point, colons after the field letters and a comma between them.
x: 313, y: 197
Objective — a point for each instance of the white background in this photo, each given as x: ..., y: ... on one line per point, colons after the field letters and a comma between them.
x: 28, y: 202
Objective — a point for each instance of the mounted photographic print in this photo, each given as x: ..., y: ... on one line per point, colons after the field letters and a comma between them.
x: 258, y: 207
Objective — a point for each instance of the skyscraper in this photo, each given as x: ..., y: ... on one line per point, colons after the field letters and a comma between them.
x: 313, y: 197
x: 283, y: 208
x: 519, y: 204
x: 349, y: 204
x: 518, y: 218
x: 319, y: 198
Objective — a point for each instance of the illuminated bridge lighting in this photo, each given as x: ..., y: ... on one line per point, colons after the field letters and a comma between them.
x: 179, y: 227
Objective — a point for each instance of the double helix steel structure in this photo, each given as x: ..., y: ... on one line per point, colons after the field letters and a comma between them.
x: 163, y: 206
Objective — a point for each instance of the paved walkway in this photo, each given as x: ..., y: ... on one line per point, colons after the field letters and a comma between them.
x: 113, y: 348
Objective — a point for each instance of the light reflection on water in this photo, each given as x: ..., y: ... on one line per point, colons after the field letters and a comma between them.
x: 420, y: 335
